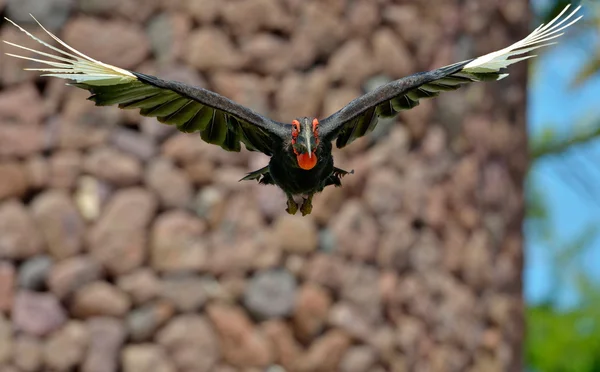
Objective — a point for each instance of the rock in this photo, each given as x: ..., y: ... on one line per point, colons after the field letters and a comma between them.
x: 170, y: 184
x: 312, y: 87
x: 59, y: 222
x: 177, y: 243
x: 143, y: 322
x: 133, y: 143
x: 146, y: 357
x: 384, y: 191
x: 352, y: 63
x: 296, y: 235
x: 364, y: 16
x: 358, y: 359
x: 142, y: 285
x: 248, y: 17
x: 348, y: 317
x: 34, y: 272
x: 168, y: 33
x: 113, y: 166
x: 100, y: 298
x: 312, y: 308
x: 200, y: 172
x: 129, y: 9
x: 106, y: 338
x: 6, y: 340
x: 268, y: 54
x: 191, y: 343
x: 203, y: 11
x: 209, y: 48
x: 118, y: 239
x: 7, y: 285
x: 14, y: 180
x: 361, y: 288
x: 37, y: 314
x: 90, y: 196
x: 187, y: 292
x: 210, y: 203
x: 286, y: 348
x: 249, y: 90
x: 27, y: 353
x: 119, y: 43
x: 19, y: 238
x: 65, y: 348
x: 65, y: 167
x: 52, y: 14
x: 392, y: 54
x: 356, y: 232
x: 241, y: 344
x: 38, y: 171
x: 325, y: 353
x: 21, y: 107
x: 271, y: 294
x: 69, y: 275
x: 325, y: 269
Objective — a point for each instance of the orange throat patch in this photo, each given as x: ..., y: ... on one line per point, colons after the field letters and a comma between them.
x: 305, y: 162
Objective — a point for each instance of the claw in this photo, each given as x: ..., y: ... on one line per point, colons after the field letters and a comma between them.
x: 306, y: 206
x: 292, y: 207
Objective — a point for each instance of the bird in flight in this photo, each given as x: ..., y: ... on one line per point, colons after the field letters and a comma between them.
x: 301, y: 162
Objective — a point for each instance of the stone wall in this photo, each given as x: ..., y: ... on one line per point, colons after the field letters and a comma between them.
x: 127, y: 246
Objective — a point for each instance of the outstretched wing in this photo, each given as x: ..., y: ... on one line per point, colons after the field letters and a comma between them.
x: 360, y: 116
x: 219, y: 120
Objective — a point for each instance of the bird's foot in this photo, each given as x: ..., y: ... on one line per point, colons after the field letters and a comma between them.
x: 306, y: 206
x: 292, y: 207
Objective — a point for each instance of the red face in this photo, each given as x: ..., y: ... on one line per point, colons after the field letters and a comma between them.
x: 304, y: 142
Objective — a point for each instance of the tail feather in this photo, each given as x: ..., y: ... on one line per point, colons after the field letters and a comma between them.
x: 495, y: 61
x: 71, y: 64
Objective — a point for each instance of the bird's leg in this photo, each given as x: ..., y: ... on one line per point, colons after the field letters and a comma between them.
x: 292, y: 207
x: 307, y: 205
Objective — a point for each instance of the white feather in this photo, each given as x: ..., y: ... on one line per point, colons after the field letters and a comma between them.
x: 495, y: 61
x: 72, y: 64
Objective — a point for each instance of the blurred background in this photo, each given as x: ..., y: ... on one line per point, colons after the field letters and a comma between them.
x: 466, y: 239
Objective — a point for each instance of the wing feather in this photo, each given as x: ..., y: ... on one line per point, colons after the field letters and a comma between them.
x: 219, y: 120
x: 404, y: 94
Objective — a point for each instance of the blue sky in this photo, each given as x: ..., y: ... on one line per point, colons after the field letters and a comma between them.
x: 553, y: 103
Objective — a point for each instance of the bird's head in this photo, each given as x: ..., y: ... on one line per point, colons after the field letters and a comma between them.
x: 305, y: 141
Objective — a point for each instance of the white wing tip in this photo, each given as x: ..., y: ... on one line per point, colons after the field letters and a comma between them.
x: 543, y: 33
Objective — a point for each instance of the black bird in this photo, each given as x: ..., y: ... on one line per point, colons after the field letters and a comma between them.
x: 301, y: 161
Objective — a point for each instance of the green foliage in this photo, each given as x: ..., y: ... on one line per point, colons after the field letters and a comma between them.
x: 564, y: 341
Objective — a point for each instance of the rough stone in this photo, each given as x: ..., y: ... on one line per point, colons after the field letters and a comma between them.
x: 19, y: 238
x: 241, y: 344
x: 65, y: 348
x: 358, y: 359
x: 177, y: 243
x: 14, y: 180
x: 296, y: 235
x: 59, y: 222
x: 37, y: 314
x: 170, y: 183
x: 209, y: 48
x: 27, y: 353
x: 143, y: 322
x: 6, y: 340
x: 34, y: 272
x: 356, y: 232
x: 311, y: 311
x: 118, y: 239
x: 146, y: 357
x: 100, y: 299
x: 113, y: 166
x: 106, y: 337
x: 187, y: 292
x: 271, y: 294
x: 7, y: 285
x: 52, y: 14
x: 142, y: 285
x: 117, y: 42
x: 69, y: 275
x: 65, y: 167
x: 190, y: 342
